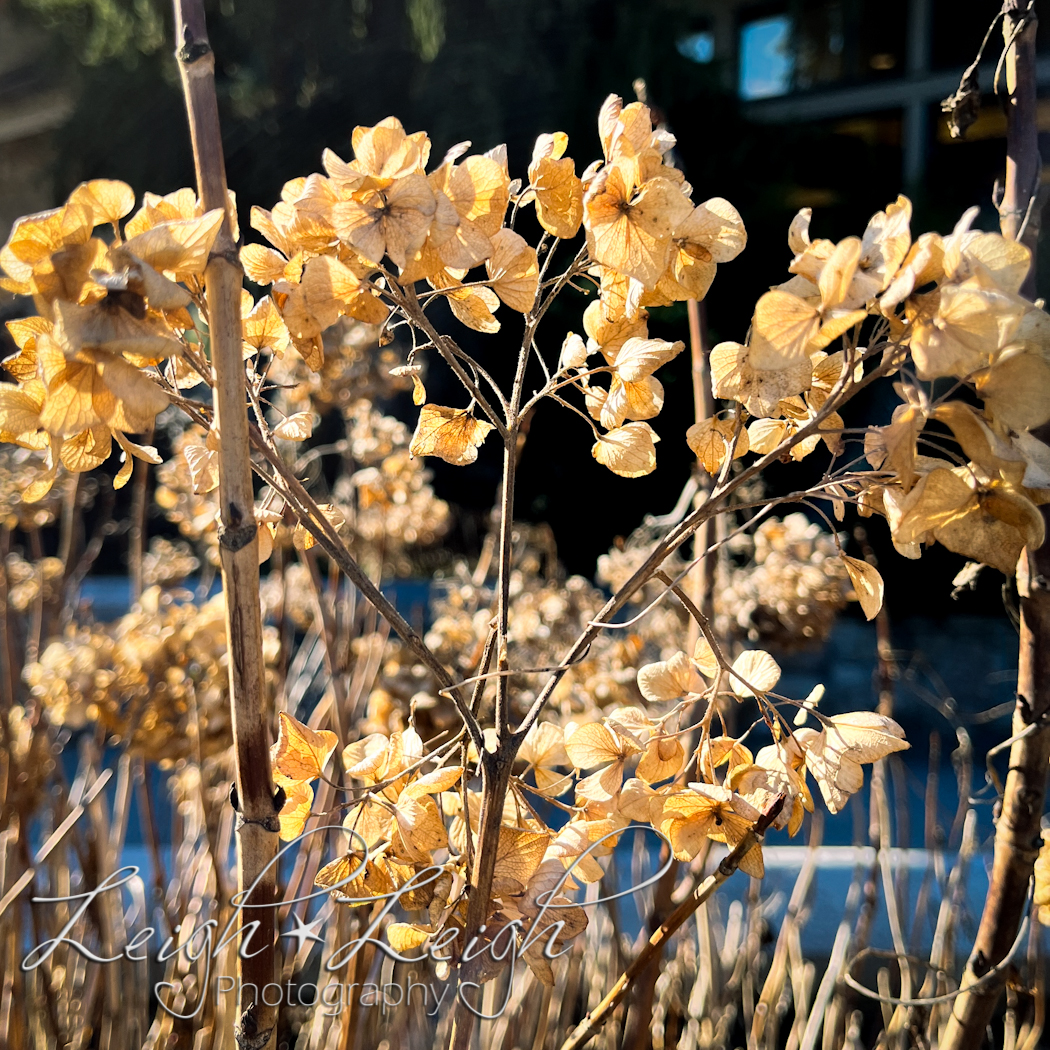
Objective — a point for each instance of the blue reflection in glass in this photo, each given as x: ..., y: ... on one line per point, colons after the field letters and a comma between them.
x: 697, y: 47
x: 766, y: 61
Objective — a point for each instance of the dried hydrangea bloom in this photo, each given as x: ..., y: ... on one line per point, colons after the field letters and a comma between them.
x: 790, y: 590
x: 155, y: 679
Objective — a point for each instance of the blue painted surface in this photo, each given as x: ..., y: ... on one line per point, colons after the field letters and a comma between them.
x: 952, y: 673
x: 825, y: 907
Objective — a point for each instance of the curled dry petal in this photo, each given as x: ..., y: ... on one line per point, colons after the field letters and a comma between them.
x: 669, y: 679
x: 639, y: 358
x: 663, y: 758
x: 760, y: 391
x: 710, y: 440
x: 595, y: 744
x: 709, y: 811
x: 264, y: 329
x: 452, y: 434
x: 573, y: 352
x: 108, y: 199
x: 705, y: 658
x: 628, y: 451
x: 298, y: 799
x: 513, y: 270
x: 1041, y: 897
x: 623, y: 400
x: 392, y: 221
x: 867, y: 584
x: 1016, y: 389
x: 557, y: 192
x: 181, y: 246
x: 631, y: 232
x: 544, y: 750
x: 757, y: 669
x: 972, y: 322
x: 301, y: 753
x: 834, y: 756
x: 303, y: 539
x: 722, y: 750
x: 296, y: 427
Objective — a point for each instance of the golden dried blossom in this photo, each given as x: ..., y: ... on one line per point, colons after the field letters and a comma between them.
x: 452, y: 434
x: 554, y: 187
x: 708, y: 811
x: 393, y: 221
x: 630, y: 227
x: 835, y: 755
x: 711, y: 439
x: 628, y: 451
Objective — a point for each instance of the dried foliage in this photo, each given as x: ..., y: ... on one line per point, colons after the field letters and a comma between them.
x: 486, y: 768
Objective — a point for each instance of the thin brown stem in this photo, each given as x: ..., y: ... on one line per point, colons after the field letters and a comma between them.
x: 1018, y: 211
x: 415, y: 313
x: 703, y: 582
x: 594, y: 1021
x: 506, y: 528
x: 328, y: 635
x: 495, y: 780
x: 284, y: 481
x: 496, y: 767
x: 8, y: 673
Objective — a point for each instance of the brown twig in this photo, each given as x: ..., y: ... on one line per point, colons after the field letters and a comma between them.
x: 1018, y: 211
x: 703, y: 408
x: 593, y: 1022
x: 284, y: 481
x: 496, y: 766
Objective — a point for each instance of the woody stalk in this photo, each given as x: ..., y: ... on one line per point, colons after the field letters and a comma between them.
x: 257, y: 823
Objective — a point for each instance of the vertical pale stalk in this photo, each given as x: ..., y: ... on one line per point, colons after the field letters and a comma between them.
x: 495, y: 780
x: 137, y: 532
x: 703, y: 578
x: 637, y: 1034
x: 257, y: 824
x: 1017, y: 836
x: 1019, y: 210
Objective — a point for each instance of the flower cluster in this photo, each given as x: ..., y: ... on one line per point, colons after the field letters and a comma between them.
x: 360, y: 253
x: 788, y: 590
x: 394, y: 509
x: 20, y: 470
x: 331, y: 235
x: 156, y: 678
x: 629, y: 764
x: 28, y: 582
x: 108, y: 312
x: 941, y: 307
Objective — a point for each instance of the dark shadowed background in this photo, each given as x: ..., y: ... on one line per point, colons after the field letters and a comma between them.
x: 777, y: 106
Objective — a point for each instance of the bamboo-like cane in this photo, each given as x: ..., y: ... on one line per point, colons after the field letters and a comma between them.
x: 257, y: 824
x: 1017, y: 829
